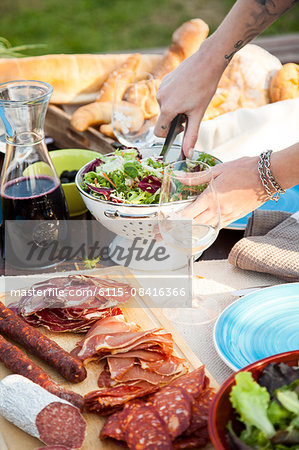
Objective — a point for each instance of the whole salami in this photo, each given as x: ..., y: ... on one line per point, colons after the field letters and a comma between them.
x: 15, y: 360
x: 38, y: 344
x: 41, y: 414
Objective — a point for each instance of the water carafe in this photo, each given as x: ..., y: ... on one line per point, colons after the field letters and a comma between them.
x: 33, y: 204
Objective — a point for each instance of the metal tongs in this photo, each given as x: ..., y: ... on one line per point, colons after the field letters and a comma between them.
x: 174, y: 129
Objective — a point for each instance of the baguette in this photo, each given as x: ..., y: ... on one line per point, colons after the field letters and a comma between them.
x: 75, y: 78
x: 185, y: 41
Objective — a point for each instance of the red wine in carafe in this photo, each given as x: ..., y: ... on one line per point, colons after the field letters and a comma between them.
x: 36, y: 211
x: 33, y: 199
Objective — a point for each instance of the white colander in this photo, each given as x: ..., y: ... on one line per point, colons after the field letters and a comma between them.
x: 129, y: 221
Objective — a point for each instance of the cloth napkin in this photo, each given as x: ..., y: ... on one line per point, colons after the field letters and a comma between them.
x: 270, y: 245
x: 249, y: 132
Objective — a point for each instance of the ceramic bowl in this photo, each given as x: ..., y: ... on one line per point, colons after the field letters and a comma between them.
x: 72, y: 159
x: 221, y: 411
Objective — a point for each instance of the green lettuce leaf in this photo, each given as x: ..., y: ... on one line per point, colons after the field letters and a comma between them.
x: 251, y: 402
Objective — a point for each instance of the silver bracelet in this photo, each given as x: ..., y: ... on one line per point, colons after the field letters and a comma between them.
x: 267, y: 177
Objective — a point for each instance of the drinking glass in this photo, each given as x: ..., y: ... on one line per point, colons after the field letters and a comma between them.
x: 183, y: 183
x: 134, y: 112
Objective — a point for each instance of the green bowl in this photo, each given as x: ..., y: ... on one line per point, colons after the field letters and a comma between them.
x: 72, y: 159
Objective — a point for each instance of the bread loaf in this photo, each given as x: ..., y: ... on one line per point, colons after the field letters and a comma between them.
x: 75, y: 78
x: 245, y: 82
x: 285, y: 83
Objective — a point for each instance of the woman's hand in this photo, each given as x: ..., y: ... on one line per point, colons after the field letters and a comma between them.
x: 239, y: 190
x: 188, y: 89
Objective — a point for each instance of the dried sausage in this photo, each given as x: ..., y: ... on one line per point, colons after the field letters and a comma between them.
x: 16, y: 361
x: 38, y: 344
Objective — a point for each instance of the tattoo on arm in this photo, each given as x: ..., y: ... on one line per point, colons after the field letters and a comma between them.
x: 267, y: 11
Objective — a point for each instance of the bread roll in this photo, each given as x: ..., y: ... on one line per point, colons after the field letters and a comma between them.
x: 107, y: 130
x: 94, y: 113
x: 97, y: 113
x: 75, y: 78
x: 285, y: 83
x: 143, y: 94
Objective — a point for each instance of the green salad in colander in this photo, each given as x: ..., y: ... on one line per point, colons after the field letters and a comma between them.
x: 126, y: 177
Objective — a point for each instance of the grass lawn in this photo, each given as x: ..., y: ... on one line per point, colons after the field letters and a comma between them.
x: 83, y: 26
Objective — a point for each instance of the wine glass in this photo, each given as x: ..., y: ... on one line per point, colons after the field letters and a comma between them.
x: 183, y: 183
x: 134, y: 111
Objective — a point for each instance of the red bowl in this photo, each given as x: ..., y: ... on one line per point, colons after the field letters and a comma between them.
x: 221, y: 411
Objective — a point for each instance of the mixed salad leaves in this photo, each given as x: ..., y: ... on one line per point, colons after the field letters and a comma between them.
x: 124, y: 177
x: 268, y: 409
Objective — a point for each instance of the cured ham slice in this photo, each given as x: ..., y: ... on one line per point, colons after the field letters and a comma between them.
x: 72, y: 303
x: 114, y: 335
x: 137, y: 362
x: 142, y: 355
x: 136, y: 373
x: 76, y: 320
x: 110, y: 400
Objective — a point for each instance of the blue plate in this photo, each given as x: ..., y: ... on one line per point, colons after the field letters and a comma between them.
x: 289, y: 202
x: 260, y: 324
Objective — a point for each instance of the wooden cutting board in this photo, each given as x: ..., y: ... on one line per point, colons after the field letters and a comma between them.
x: 139, y: 310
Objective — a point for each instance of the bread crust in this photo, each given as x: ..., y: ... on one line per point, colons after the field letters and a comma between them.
x: 75, y: 78
x: 285, y: 83
x: 245, y: 82
x: 127, y: 71
x: 185, y: 41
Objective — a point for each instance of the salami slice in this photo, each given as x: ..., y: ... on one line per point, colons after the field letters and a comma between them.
x: 200, y: 411
x: 144, y: 430
x: 174, y: 408
x: 193, y: 382
x: 54, y: 447
x: 113, y: 427
x: 43, y: 415
x: 190, y: 443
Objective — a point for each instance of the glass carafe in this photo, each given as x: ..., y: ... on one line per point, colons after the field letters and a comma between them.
x: 30, y: 187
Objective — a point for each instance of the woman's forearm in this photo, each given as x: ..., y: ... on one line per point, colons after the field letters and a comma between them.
x: 246, y: 20
x: 285, y: 166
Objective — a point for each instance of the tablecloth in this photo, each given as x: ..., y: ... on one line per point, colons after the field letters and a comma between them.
x: 219, y: 280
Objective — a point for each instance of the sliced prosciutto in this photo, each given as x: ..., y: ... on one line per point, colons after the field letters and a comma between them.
x: 72, y: 303
x: 114, y: 335
x: 137, y: 363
